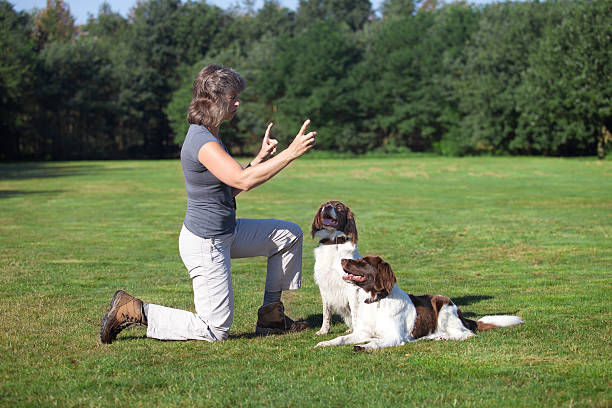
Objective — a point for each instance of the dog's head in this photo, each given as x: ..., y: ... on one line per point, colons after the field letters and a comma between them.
x: 370, y: 273
x: 334, y: 219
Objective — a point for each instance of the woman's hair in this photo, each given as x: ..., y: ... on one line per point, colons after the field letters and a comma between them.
x: 211, y: 88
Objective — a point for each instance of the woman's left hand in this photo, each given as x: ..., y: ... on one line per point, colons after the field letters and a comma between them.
x: 268, y: 146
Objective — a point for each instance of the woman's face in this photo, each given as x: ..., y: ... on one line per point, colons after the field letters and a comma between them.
x: 234, y: 103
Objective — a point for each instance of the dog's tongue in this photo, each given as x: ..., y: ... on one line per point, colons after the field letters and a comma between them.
x: 355, y: 278
x: 328, y: 221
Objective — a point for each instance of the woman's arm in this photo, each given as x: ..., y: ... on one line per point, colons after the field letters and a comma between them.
x: 268, y: 148
x: 230, y: 172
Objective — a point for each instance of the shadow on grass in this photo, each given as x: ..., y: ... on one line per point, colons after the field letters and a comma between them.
x: 30, y: 170
x: 16, y: 193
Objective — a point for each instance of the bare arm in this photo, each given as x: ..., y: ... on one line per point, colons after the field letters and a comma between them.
x: 268, y: 148
x: 230, y: 172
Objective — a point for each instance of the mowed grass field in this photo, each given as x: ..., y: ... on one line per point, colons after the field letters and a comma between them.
x: 524, y: 236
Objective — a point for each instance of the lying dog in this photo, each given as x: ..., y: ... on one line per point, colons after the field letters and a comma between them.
x: 385, y: 316
x: 334, y: 226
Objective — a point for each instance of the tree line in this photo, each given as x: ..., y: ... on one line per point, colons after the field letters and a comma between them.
x: 519, y: 78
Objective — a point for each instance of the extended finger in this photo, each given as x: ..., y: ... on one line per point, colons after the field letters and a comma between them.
x: 304, y: 126
x: 267, y: 135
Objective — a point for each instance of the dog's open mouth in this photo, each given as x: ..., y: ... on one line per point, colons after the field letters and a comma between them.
x: 329, y: 222
x: 354, y: 278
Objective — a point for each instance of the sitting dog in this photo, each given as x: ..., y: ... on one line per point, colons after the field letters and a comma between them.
x: 385, y: 316
x: 334, y: 226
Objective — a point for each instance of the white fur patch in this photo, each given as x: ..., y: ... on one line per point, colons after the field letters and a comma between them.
x: 502, y: 320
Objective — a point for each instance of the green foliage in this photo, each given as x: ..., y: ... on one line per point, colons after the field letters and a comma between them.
x: 308, y: 79
x: 453, y: 79
x: 78, y: 96
x: 496, y: 58
x: 566, y: 96
x: 353, y: 13
x: 16, y: 92
x: 54, y: 23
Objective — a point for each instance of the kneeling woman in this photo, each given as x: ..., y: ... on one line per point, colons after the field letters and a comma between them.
x: 211, y: 234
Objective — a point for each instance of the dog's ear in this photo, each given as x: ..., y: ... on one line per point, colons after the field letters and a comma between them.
x: 350, y: 229
x: 385, y: 278
x: 317, y: 223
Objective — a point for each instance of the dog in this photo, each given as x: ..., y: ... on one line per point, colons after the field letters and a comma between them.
x: 386, y: 316
x: 334, y: 225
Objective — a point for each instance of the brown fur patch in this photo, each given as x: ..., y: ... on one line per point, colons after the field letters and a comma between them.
x: 427, y: 309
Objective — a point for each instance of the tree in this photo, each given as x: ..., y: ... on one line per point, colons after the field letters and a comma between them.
x: 77, y: 93
x: 354, y: 13
x: 397, y: 8
x: 407, y: 96
x: 307, y: 79
x: 566, y: 97
x: 496, y: 58
x: 54, y: 23
x: 16, y: 71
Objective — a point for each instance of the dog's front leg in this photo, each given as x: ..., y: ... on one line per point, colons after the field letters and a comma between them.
x: 380, y: 343
x: 352, y: 338
x: 353, y: 301
x: 327, y: 315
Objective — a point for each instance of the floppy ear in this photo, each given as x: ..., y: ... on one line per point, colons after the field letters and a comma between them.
x: 317, y: 224
x: 350, y: 228
x: 385, y: 278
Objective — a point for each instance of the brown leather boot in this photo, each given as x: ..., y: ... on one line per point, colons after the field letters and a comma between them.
x: 125, y: 311
x: 271, y: 319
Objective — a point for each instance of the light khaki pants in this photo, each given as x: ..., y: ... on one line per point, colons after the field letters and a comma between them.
x: 208, y: 262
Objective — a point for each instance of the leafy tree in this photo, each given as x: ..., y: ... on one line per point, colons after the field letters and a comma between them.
x: 148, y: 76
x: 108, y: 24
x: 496, y: 58
x: 16, y: 71
x: 566, y: 97
x: 397, y: 8
x: 354, y: 13
x: 407, y: 96
x: 54, y: 23
x: 197, y: 26
x: 78, y: 99
x: 307, y: 79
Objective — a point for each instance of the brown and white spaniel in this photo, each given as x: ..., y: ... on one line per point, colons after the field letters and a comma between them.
x: 334, y: 226
x: 386, y: 316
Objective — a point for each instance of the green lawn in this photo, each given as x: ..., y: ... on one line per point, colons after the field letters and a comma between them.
x: 525, y: 236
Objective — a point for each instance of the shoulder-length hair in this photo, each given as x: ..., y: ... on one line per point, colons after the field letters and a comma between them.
x: 211, y: 88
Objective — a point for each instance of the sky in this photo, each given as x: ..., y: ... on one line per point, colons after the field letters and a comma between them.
x: 80, y: 9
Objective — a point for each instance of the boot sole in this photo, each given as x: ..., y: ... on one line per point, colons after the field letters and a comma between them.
x: 113, y: 305
x: 266, y: 331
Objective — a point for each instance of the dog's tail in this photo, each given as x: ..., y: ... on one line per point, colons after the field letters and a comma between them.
x: 493, y: 322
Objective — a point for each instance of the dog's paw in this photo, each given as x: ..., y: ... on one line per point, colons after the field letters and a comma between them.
x: 322, y: 344
x: 322, y: 332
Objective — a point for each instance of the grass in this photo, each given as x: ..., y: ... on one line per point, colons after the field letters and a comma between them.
x: 526, y: 236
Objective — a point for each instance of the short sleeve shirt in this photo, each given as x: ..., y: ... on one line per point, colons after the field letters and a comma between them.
x: 210, y: 204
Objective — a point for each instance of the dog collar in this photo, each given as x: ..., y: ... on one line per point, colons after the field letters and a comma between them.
x: 335, y: 241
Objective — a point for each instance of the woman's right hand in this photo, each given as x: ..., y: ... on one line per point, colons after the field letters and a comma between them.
x: 303, y: 141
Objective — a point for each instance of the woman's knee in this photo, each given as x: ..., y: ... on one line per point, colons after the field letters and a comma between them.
x: 219, y: 334
x: 294, y: 229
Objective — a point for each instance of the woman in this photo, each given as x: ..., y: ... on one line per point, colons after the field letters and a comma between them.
x: 211, y: 234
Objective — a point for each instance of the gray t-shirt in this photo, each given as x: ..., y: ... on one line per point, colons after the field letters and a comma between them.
x: 210, y: 204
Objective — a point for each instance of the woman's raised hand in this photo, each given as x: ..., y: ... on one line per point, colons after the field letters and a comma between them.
x: 268, y: 146
x: 303, y: 141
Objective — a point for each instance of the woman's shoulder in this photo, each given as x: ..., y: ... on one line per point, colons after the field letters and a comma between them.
x: 199, y: 132
x: 198, y: 136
